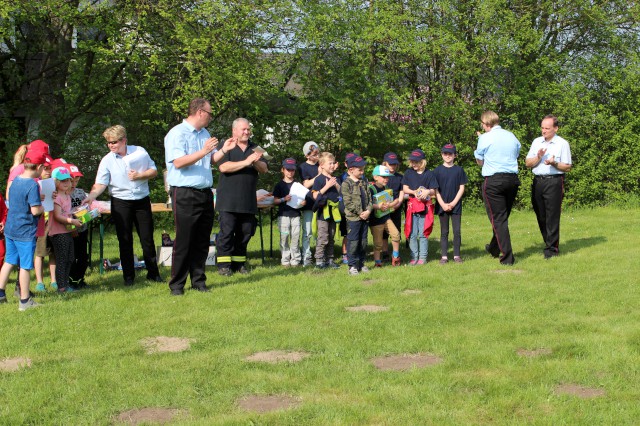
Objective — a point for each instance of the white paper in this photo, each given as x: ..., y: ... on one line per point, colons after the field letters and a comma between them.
x: 47, y: 187
x: 138, y: 160
x: 298, y: 193
x: 267, y: 201
x: 261, y: 150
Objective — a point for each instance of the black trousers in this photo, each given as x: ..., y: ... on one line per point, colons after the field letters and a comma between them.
x: 193, y: 218
x: 456, y: 221
x: 499, y: 193
x: 547, y: 193
x: 357, y: 242
x: 236, y: 230
x: 126, y: 215
x: 79, y: 266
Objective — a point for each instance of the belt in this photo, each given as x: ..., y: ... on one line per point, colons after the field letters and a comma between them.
x: 549, y: 176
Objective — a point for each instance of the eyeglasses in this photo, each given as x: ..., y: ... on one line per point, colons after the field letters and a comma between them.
x: 114, y: 142
x: 208, y: 112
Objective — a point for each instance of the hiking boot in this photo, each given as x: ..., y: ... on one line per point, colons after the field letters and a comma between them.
x: 396, y: 261
x: 225, y: 271
x: 243, y: 270
x: 353, y: 271
x: 27, y: 305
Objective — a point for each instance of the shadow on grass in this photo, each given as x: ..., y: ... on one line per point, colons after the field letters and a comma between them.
x: 570, y: 246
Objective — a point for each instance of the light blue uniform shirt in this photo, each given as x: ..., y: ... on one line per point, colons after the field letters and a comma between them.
x: 182, y: 140
x: 557, y: 147
x: 499, y: 149
x: 113, y: 172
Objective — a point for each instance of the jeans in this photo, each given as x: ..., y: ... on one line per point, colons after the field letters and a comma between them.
x: 289, y: 228
x: 418, y: 243
x: 306, y: 220
x: 357, y: 242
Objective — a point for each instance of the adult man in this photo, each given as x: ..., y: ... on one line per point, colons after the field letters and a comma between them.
x: 549, y: 159
x: 130, y: 204
x: 236, y: 198
x: 188, y: 154
x: 497, y: 152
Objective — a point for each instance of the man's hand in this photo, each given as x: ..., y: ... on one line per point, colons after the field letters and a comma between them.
x: 541, y: 152
x: 210, y: 144
x: 551, y: 161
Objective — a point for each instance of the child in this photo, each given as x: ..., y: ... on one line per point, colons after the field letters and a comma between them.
x: 80, y: 235
x: 21, y: 225
x: 59, y: 231
x: 451, y: 181
x: 381, y: 222
x: 357, y: 208
x: 395, y: 184
x: 3, y: 219
x: 308, y: 172
x: 421, y: 185
x: 43, y: 246
x: 326, y: 212
x: 343, y: 223
x: 288, y: 217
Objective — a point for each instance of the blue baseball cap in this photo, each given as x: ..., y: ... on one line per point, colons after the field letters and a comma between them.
x: 289, y: 163
x: 417, y: 155
x: 391, y: 158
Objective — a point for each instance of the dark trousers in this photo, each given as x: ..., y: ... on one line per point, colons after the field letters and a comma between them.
x: 236, y: 229
x: 357, y: 242
x: 63, y: 248
x: 79, y: 266
x: 499, y: 193
x: 193, y: 218
x: 126, y: 215
x: 546, y: 196
x: 456, y: 220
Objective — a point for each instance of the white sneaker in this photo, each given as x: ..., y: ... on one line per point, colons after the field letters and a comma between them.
x: 28, y: 305
x: 365, y: 269
x: 353, y: 271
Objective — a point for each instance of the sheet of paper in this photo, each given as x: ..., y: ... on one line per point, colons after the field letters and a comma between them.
x: 47, y: 187
x: 137, y: 160
x: 298, y: 193
x: 264, y: 198
x: 261, y: 150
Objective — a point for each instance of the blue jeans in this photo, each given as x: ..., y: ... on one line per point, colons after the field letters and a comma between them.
x: 357, y: 242
x: 418, y: 243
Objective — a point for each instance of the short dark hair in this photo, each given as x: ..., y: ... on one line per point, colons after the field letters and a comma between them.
x: 197, y: 104
x: 553, y: 117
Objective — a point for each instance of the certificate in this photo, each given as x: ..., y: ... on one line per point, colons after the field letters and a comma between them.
x: 47, y: 186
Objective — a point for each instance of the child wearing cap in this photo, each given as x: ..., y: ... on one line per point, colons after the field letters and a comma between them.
x: 381, y: 222
x: 288, y: 217
x: 392, y: 162
x: 451, y: 181
x: 357, y: 209
x: 20, y: 228
x: 80, y: 235
x: 326, y: 213
x: 308, y: 172
x: 421, y: 185
x: 61, y: 226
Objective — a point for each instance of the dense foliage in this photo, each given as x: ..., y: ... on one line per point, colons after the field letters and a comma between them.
x: 351, y: 75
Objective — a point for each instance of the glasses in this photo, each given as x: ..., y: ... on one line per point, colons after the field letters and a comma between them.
x: 208, y: 112
x: 114, y: 142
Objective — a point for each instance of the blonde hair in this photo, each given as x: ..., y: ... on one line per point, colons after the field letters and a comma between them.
x: 18, y: 157
x: 326, y: 156
x: 423, y: 164
x: 490, y: 118
x: 117, y: 132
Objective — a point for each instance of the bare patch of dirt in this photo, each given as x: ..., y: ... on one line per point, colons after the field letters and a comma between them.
x: 367, y: 308
x: 405, y: 362
x: 508, y: 271
x: 579, y: 391
x: 532, y: 353
x: 369, y: 282
x: 149, y: 415
x: 274, y: 357
x: 265, y: 404
x: 410, y: 292
x: 14, y: 364
x: 166, y: 344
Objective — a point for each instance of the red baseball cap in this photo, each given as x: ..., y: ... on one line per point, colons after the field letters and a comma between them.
x: 39, y: 145
x: 74, y: 170
x: 37, y: 157
x: 60, y: 162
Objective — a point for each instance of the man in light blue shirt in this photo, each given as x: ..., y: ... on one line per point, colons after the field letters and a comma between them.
x: 497, y: 152
x: 126, y: 171
x: 549, y: 159
x: 189, y: 151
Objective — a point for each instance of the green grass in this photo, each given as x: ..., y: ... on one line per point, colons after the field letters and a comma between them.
x: 88, y: 364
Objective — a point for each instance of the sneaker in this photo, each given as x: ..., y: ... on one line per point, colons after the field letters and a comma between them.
x: 40, y: 288
x: 412, y: 263
x: 321, y: 266
x: 27, y: 305
x: 444, y: 261
x: 457, y: 259
x: 345, y: 259
x: 54, y: 286
x: 421, y: 262
x: 396, y: 261
x: 365, y: 269
x: 333, y: 265
x: 353, y: 271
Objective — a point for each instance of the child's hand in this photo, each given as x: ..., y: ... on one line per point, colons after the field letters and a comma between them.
x: 303, y: 203
x: 76, y: 222
x: 287, y: 197
x: 365, y: 215
x: 384, y: 206
x: 331, y: 182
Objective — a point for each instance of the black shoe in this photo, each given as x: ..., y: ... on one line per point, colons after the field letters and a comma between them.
x: 177, y: 292
x: 488, y: 250
x: 81, y: 284
x: 203, y: 289
x: 128, y: 282
x: 157, y: 279
x: 243, y: 270
x: 225, y: 271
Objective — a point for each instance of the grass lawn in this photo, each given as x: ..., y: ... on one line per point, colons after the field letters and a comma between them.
x: 578, y: 311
